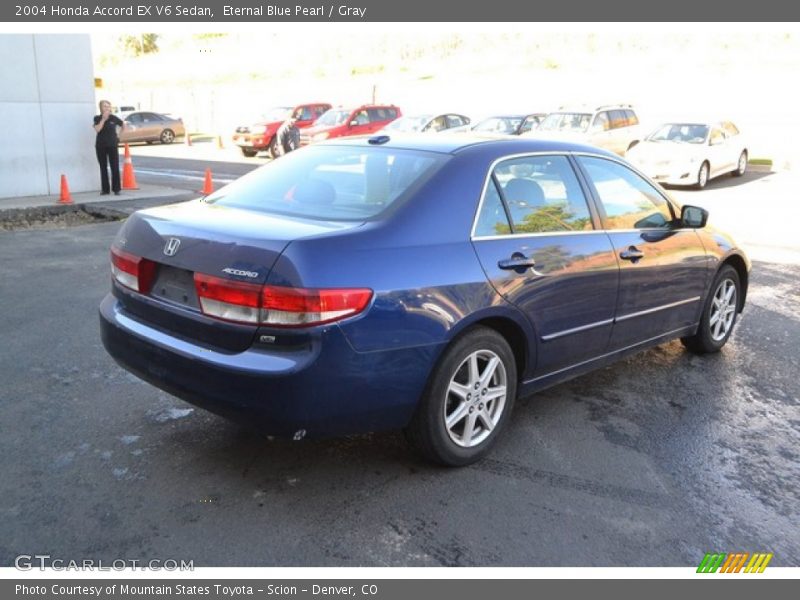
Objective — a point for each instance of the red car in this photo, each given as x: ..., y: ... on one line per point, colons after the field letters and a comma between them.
x: 261, y: 136
x: 340, y: 122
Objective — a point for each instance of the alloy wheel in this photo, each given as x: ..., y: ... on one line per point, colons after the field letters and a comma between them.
x: 723, y: 310
x: 476, y: 397
x: 702, y: 176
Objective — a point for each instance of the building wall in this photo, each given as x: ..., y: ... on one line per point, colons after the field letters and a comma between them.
x: 47, y: 103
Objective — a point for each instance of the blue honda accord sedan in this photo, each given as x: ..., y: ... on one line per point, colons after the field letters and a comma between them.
x: 420, y: 283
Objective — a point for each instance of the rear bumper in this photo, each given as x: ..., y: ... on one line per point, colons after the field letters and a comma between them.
x: 325, y: 388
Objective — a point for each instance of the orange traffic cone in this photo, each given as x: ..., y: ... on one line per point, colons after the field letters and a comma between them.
x: 65, y: 198
x: 220, y: 145
x: 128, y: 178
x: 208, y: 185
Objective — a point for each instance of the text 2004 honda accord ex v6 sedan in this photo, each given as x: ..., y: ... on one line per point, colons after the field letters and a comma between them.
x: 417, y: 283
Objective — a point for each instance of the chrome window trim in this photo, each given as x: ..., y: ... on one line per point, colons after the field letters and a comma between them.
x: 488, y: 177
x: 558, y: 334
x: 474, y: 237
x: 648, y: 311
x: 526, y: 235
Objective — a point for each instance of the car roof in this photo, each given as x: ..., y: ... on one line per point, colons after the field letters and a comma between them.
x: 454, y: 143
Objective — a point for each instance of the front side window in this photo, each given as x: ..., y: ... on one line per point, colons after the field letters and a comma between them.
x: 542, y: 195
x: 332, y: 183
x: 456, y: 121
x: 601, y: 122
x: 629, y: 202
x: 333, y: 117
x: 303, y: 113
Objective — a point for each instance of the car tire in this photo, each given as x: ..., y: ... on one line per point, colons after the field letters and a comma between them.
x: 273, y: 147
x: 249, y: 152
x: 719, y: 313
x: 741, y: 165
x: 702, y: 176
x: 479, y: 362
x: 633, y: 144
x: 167, y: 136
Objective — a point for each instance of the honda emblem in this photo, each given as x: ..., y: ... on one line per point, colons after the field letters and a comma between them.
x: 172, y: 246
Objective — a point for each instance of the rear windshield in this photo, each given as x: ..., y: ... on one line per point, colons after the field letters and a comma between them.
x: 331, y: 183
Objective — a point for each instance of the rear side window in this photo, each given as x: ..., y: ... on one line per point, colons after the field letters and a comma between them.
x: 541, y: 194
x: 492, y: 219
x: 730, y: 128
x: 628, y: 201
x: 381, y: 114
x: 332, y: 183
x: 632, y: 118
x: 618, y: 119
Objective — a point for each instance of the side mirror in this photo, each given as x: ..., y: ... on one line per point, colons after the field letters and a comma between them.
x: 694, y: 216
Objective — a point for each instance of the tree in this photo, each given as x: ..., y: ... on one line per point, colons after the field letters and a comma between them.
x: 136, y: 45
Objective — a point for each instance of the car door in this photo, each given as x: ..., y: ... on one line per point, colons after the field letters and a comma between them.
x: 359, y: 123
x: 536, y: 239
x: 619, y: 124
x: 718, y: 150
x: 133, y: 128
x: 600, y: 131
x: 151, y: 126
x: 304, y: 116
x: 663, y: 267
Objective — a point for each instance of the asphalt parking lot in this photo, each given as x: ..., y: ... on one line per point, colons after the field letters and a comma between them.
x: 652, y: 462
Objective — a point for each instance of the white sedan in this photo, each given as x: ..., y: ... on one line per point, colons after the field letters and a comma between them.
x: 690, y: 154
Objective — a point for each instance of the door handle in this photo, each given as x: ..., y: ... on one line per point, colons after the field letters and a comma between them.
x: 517, y: 261
x: 632, y: 254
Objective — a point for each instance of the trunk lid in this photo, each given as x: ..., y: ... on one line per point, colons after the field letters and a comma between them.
x: 195, y: 237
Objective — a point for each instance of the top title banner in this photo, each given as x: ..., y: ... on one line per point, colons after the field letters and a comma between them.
x: 219, y: 11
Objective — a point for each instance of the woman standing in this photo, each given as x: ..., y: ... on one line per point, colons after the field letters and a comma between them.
x: 106, y: 146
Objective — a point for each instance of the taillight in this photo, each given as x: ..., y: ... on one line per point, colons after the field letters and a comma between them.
x: 229, y: 300
x: 132, y: 271
x: 296, y: 307
x: 275, y: 305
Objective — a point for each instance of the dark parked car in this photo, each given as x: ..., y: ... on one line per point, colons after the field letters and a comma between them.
x: 151, y: 127
x: 370, y: 284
